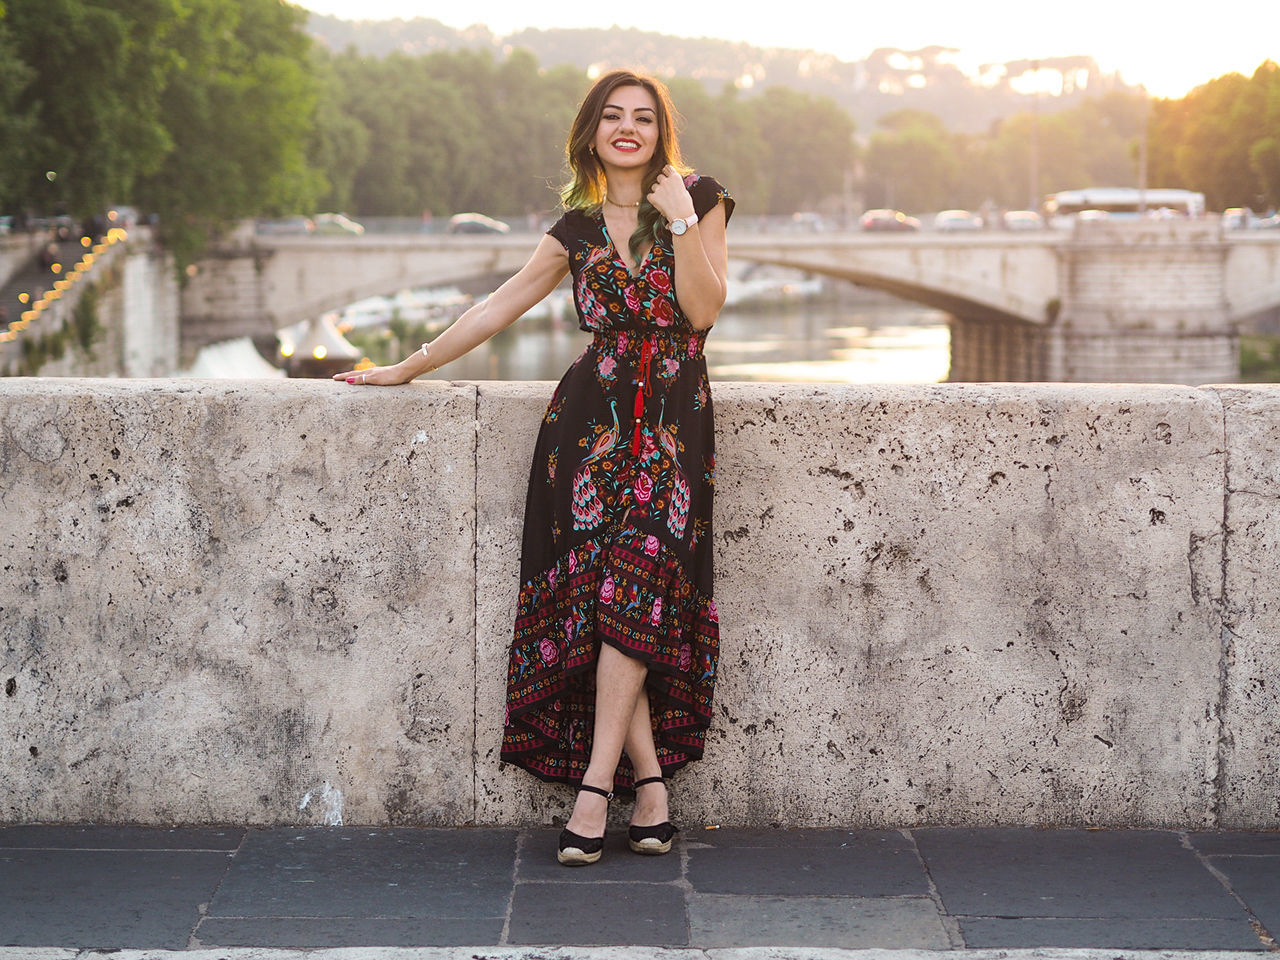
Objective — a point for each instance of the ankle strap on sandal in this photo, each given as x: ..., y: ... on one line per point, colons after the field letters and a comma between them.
x: 640, y: 783
x: 607, y: 794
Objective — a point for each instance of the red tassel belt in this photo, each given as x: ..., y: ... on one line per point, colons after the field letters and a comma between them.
x: 643, y: 388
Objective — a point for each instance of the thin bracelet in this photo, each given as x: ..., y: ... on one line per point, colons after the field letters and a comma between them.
x: 426, y: 353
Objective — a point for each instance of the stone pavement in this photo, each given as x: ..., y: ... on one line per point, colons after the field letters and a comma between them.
x: 232, y: 892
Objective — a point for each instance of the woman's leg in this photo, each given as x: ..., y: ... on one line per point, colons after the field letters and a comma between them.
x: 651, y: 799
x: 619, y: 681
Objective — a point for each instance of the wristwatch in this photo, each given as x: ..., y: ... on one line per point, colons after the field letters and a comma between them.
x: 679, y: 225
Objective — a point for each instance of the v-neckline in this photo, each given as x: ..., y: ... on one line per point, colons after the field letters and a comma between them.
x: 617, y: 254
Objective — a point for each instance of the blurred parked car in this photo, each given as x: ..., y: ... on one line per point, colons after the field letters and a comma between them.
x: 1092, y: 216
x: 956, y: 221
x: 338, y: 223
x: 1239, y: 218
x: 888, y: 221
x: 807, y: 223
x: 1022, y: 220
x: 286, y: 225
x: 475, y: 223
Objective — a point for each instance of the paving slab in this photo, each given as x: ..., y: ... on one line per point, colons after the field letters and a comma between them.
x: 1244, y: 842
x: 601, y: 913
x: 1256, y: 881
x: 100, y: 899
x: 71, y: 837
x: 998, y: 872
x: 851, y: 922
x: 1112, y: 933
x: 537, y: 862
x: 401, y: 873
x: 816, y: 863
x: 349, y: 932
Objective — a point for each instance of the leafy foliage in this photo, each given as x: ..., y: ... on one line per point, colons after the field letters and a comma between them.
x: 198, y: 110
x: 1222, y: 138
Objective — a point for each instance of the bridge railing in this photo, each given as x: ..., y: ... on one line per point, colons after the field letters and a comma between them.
x: 963, y: 604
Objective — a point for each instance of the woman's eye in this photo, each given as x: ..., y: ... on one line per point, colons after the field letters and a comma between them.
x: 611, y: 116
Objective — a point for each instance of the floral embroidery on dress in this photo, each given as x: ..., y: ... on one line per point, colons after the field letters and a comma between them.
x: 617, y: 539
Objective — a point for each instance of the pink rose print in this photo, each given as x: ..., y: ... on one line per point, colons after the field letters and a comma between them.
x: 606, y: 590
x: 568, y: 628
x: 506, y: 715
x: 551, y: 578
x: 651, y: 545
x: 643, y: 488
x: 713, y: 612
x: 622, y: 343
x: 655, y: 615
x: 548, y: 650
x: 686, y: 657
x: 633, y: 301
x: 693, y: 348
x: 573, y: 562
x: 606, y: 366
x: 659, y: 280
x: 648, y: 447
x: 691, y: 179
x: 662, y: 314
x: 673, y: 366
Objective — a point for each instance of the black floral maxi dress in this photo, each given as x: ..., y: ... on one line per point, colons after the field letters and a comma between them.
x: 617, y: 529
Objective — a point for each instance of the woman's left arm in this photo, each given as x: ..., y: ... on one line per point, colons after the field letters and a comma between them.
x: 702, y: 252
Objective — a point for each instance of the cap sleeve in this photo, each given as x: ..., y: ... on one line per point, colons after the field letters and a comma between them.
x: 706, y: 193
x: 560, y: 231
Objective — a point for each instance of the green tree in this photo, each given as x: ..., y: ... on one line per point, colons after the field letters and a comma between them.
x: 806, y: 145
x: 17, y: 123
x: 1264, y: 153
x: 911, y: 163
x: 339, y: 144
x: 96, y: 70
x: 720, y: 136
x: 239, y: 108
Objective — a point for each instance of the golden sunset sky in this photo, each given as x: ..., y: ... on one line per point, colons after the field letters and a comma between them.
x: 1168, y: 48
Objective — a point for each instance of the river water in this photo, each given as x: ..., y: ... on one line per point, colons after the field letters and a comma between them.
x: 846, y: 338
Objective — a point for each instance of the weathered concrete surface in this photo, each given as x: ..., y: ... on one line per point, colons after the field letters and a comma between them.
x: 612, y: 953
x: 220, y: 600
x: 509, y: 416
x: 965, y: 605
x: 1250, y: 772
x: 955, y: 604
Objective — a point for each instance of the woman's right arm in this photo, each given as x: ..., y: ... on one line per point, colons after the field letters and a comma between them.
x: 536, y: 279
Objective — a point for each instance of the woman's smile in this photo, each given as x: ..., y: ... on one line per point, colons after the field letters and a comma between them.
x: 628, y: 129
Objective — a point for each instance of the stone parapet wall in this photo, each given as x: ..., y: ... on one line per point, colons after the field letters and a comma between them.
x: 290, y: 602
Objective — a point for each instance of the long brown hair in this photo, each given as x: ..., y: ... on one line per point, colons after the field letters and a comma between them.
x: 586, y: 190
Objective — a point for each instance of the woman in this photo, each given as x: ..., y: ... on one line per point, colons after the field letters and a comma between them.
x: 616, y: 635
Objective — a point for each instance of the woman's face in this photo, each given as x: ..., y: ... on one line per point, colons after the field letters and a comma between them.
x: 628, y: 131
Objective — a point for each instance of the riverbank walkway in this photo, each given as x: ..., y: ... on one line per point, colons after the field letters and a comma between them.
x: 233, y: 892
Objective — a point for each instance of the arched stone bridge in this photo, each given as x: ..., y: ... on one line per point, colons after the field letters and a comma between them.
x: 1148, y: 302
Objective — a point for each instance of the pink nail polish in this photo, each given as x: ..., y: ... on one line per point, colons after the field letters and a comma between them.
x: 351, y: 379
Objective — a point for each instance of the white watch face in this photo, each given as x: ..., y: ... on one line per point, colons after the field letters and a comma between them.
x: 678, y: 226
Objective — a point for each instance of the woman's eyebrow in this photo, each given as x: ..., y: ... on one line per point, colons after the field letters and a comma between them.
x: 614, y: 106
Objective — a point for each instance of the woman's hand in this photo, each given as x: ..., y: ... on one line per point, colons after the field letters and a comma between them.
x: 670, y: 196
x: 374, y: 376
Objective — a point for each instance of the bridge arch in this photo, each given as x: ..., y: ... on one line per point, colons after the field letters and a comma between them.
x: 1149, y: 301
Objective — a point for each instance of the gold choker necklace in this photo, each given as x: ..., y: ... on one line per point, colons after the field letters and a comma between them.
x: 623, y: 206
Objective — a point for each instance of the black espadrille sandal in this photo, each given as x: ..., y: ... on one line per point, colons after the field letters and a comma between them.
x: 653, y: 840
x: 576, y: 850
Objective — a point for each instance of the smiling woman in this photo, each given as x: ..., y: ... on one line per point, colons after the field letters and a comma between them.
x: 616, y: 641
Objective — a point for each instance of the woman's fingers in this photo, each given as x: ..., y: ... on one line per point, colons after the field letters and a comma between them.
x: 669, y: 194
x: 369, y: 377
